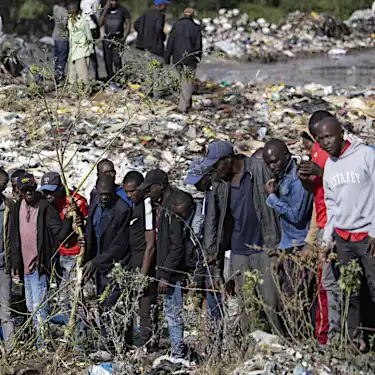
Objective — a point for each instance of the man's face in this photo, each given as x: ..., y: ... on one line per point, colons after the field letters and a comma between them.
x: 28, y: 194
x: 131, y: 191
x: 113, y: 4
x: 15, y: 190
x: 108, y: 169
x: 3, y: 182
x: 51, y: 195
x: 204, y: 184
x: 307, y: 145
x: 155, y: 192
x: 329, y: 139
x: 162, y: 7
x: 276, y: 160
x: 223, y: 168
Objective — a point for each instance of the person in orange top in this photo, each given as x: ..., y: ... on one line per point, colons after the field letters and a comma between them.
x: 54, y: 191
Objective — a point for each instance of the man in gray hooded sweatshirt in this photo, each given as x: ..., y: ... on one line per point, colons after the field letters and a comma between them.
x: 349, y: 190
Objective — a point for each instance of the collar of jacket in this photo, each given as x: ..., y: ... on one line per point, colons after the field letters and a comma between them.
x: 290, y: 168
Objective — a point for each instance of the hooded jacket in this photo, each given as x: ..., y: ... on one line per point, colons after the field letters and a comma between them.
x: 184, y: 43
x: 51, y: 231
x: 218, y: 227
x: 349, y: 191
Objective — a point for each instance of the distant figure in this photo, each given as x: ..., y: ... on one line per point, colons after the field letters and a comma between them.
x: 81, y: 47
x: 185, y: 48
x: 150, y: 29
x: 60, y: 37
x: 91, y: 10
x: 116, y: 22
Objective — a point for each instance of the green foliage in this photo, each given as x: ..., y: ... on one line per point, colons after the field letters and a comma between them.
x: 32, y: 9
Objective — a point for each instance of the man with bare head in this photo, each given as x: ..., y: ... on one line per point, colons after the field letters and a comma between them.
x: 349, y: 188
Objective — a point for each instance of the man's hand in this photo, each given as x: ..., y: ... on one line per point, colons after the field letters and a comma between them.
x: 270, y: 186
x: 371, y: 246
x: 306, y: 254
x: 16, y: 275
x: 324, y: 249
x: 88, y: 271
x: 81, y: 241
x: 163, y: 286
x: 309, y: 168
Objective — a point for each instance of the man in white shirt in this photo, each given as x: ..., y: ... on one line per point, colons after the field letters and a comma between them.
x: 91, y: 11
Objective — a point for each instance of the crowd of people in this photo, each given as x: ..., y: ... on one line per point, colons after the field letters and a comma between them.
x: 254, y: 209
x: 78, y: 27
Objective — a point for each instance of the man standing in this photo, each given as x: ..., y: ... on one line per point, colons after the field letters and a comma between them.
x: 116, y: 22
x: 90, y: 10
x: 142, y: 245
x: 54, y: 191
x: 5, y: 262
x: 150, y: 29
x: 36, y: 233
x: 107, y: 238
x: 170, y: 256
x: 80, y: 47
x: 60, y: 37
x: 185, y: 48
x: 349, y: 176
x: 238, y: 219
x: 287, y: 196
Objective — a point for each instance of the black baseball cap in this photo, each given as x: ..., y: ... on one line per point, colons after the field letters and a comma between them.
x: 154, y: 177
x: 27, y: 180
x: 50, y: 181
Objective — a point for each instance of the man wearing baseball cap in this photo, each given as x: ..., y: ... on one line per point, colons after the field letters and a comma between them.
x: 55, y: 193
x: 170, y: 255
x: 238, y: 219
x: 37, y: 230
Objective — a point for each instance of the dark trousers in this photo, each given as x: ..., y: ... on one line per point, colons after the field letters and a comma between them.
x: 95, y: 65
x: 112, y: 57
x: 348, y: 251
x: 61, y: 52
x: 148, y: 313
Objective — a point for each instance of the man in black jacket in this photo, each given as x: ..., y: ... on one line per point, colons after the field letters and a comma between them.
x: 170, y: 255
x: 185, y: 47
x: 36, y: 233
x: 107, y: 238
x: 238, y: 219
x: 142, y: 245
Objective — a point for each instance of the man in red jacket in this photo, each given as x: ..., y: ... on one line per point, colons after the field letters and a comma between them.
x: 54, y: 191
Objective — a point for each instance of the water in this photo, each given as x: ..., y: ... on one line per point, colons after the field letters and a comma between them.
x: 357, y: 69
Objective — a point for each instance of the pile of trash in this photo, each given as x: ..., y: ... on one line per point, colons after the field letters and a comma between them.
x: 237, y: 36
x: 363, y: 21
x: 146, y: 135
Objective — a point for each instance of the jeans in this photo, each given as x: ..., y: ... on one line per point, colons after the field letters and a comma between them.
x: 36, y: 290
x: 61, y: 51
x: 214, y: 299
x: 173, y: 309
x: 5, y: 313
x: 66, y: 272
x: 187, y: 75
x: 348, y: 251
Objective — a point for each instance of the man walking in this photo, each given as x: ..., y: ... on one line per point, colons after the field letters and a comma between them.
x: 117, y: 23
x: 142, y: 245
x: 54, y: 191
x: 36, y: 233
x: 238, y: 219
x: 61, y: 39
x: 349, y: 196
x: 185, y: 48
x: 5, y: 262
x: 170, y: 256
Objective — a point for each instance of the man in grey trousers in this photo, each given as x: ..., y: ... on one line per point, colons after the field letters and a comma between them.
x: 5, y: 267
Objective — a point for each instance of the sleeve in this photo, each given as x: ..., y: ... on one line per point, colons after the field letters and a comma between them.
x: 176, y: 251
x: 119, y: 247
x: 211, y: 225
x: 83, y: 207
x: 15, y: 242
x: 169, y: 49
x: 60, y: 229
x: 330, y: 209
x: 137, y: 24
x: 149, y: 215
x: 299, y: 202
x: 199, y: 44
x: 159, y: 27
x: 370, y: 163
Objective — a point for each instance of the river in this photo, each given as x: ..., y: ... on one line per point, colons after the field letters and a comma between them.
x: 357, y: 69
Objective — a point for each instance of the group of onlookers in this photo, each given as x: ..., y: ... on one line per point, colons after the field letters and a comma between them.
x: 254, y: 209
x: 78, y: 28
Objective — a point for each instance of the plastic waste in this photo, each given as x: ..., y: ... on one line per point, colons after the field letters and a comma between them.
x: 102, y: 369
